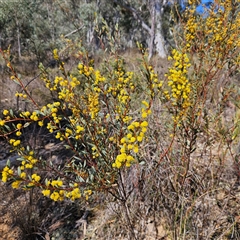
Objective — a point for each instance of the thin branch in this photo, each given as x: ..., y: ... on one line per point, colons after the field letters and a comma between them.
x: 74, y: 31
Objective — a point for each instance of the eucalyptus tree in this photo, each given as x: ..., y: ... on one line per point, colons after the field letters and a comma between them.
x: 149, y: 14
x: 16, y: 19
x: 33, y: 27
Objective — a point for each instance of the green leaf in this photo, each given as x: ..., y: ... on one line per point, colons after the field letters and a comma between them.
x: 11, y: 112
x: 19, y: 171
x: 7, y: 127
x: 81, y: 179
x: 91, y: 176
x: 16, y: 81
x: 26, y: 124
x: 46, y: 181
x: 67, y: 146
x: 236, y: 133
x: 8, y: 163
x: 29, y: 187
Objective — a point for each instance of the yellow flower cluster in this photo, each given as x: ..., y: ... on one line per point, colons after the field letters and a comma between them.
x: 177, y: 80
x: 146, y: 111
x: 28, y: 161
x: 22, y: 95
x: 7, y: 117
x: 25, y: 114
x: 223, y: 34
x: 92, y: 94
x: 64, y: 86
x: 74, y: 194
x: 85, y: 70
x: 51, y: 127
x: 87, y: 193
x: 124, y: 85
x: 79, y: 130
x: 16, y: 184
x: 2, y: 122
x: 217, y: 34
x: 5, y: 112
x: 190, y: 29
x: 51, y: 110
x: 59, y: 194
x: 14, y: 142
x: 155, y: 83
x: 55, y: 54
x: 34, y: 116
x: 6, y: 173
x: 130, y: 142
x: 120, y: 87
x: 95, y: 152
x: 98, y: 78
x: 35, y: 177
x: 93, y: 104
x: 18, y: 127
x: 56, y: 195
x: 23, y: 175
x: 66, y: 94
x: 74, y: 82
x: 46, y: 192
x: 56, y: 183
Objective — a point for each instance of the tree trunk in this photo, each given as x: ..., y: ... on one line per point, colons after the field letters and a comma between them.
x: 152, y: 32
x: 159, y: 41
x: 156, y: 39
x: 158, y: 35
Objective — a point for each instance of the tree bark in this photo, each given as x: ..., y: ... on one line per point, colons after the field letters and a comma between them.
x: 152, y: 32
x: 159, y: 40
x: 158, y: 35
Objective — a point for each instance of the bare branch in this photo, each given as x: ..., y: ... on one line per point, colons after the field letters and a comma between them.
x: 74, y: 31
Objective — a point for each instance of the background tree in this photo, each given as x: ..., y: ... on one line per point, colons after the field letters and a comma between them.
x: 35, y: 27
